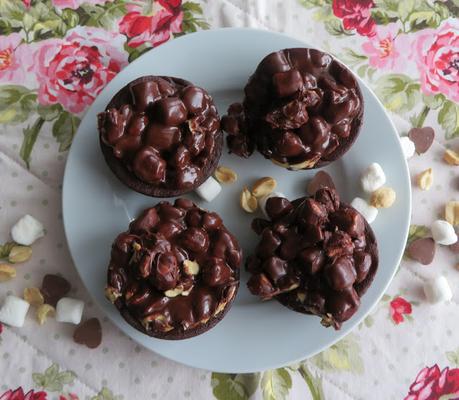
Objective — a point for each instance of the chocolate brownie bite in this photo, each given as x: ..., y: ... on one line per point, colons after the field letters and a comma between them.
x: 302, y: 109
x: 317, y: 255
x: 175, y: 273
x: 161, y: 136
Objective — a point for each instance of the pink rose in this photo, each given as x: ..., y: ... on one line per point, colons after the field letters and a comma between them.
x: 27, y: 3
x: 18, y: 394
x: 74, y: 4
x: 72, y: 71
x: 431, y: 384
x: 356, y: 14
x: 14, y: 59
x: 152, y: 29
x: 437, y: 53
x: 388, y: 49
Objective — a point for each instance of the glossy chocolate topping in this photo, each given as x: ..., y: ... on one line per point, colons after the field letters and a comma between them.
x: 302, y: 109
x: 164, y: 132
x: 175, y: 272
x: 316, y: 255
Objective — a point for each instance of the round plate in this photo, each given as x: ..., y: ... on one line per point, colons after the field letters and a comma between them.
x: 254, y: 335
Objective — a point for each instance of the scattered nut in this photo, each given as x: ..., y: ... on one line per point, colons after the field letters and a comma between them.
x: 111, y: 294
x: 452, y: 212
x: 45, y: 311
x: 225, y: 175
x: 301, y: 297
x: 425, y: 179
x: 20, y: 254
x: 248, y: 201
x: 190, y: 267
x: 174, y: 292
x: 160, y: 322
x: 33, y: 296
x: 451, y: 157
x: 264, y: 186
x: 295, y: 167
x: 383, y: 197
x: 136, y: 246
x: 7, y: 272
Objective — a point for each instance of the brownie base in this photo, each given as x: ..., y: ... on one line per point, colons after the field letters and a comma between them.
x: 129, y: 178
x: 180, y: 333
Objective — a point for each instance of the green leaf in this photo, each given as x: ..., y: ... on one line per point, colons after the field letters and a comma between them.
x: 234, y: 387
x: 369, y: 321
x: 103, y: 15
x: 70, y: 17
x: 385, y: 297
x: 6, y: 248
x: 66, y: 377
x: 448, y: 118
x: 334, y: 27
x: 433, y: 102
x: 30, y: 137
x: 12, y: 10
x: 362, y: 70
x: 64, y: 129
x: 314, y: 3
x: 314, y: 383
x: 49, y: 113
x: 453, y: 357
x: 51, y: 372
x: 276, y: 384
x: 39, y: 379
x: 192, y: 7
x: 16, y: 103
x: 46, y: 22
x: 52, y: 380
x: 106, y: 394
x: 342, y: 356
x: 399, y: 93
x: 405, y: 8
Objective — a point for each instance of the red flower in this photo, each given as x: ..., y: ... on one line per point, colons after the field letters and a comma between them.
x: 398, y: 307
x: 153, y: 29
x: 1, y: 328
x: 431, y: 384
x: 356, y: 14
x: 18, y: 394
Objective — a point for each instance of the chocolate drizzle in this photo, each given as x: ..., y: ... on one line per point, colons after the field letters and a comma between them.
x: 175, y: 272
x: 161, y: 136
x: 302, y: 109
x: 317, y: 255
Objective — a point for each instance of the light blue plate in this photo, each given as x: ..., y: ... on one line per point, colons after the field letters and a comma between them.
x: 254, y: 335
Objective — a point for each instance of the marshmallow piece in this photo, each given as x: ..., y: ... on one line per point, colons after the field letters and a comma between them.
x: 373, y: 178
x: 27, y: 230
x: 262, y: 201
x: 438, y: 290
x: 209, y: 189
x: 443, y: 232
x: 408, y: 147
x: 69, y: 310
x: 14, y: 311
x: 368, y: 211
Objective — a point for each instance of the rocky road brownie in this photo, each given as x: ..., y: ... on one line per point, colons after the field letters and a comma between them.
x: 161, y: 136
x: 175, y: 273
x: 302, y: 109
x: 316, y: 255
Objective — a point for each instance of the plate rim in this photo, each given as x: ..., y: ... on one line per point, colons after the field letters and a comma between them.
x: 339, y: 334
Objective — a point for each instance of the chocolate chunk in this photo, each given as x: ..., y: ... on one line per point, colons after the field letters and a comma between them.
x: 422, y: 138
x: 320, y: 180
x: 175, y: 272
x: 319, y: 258
x: 422, y: 250
x: 89, y: 333
x: 161, y: 136
x: 54, y: 288
x: 277, y: 207
x: 301, y: 108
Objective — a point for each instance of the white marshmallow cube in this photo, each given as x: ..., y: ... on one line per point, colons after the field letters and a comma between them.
x: 408, y: 147
x: 14, y: 311
x: 373, y: 178
x: 262, y: 201
x: 367, y: 210
x: 438, y: 290
x: 209, y: 189
x: 27, y: 230
x: 69, y: 310
x: 443, y: 232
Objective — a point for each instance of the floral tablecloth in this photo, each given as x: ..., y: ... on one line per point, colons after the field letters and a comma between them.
x: 57, y: 55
